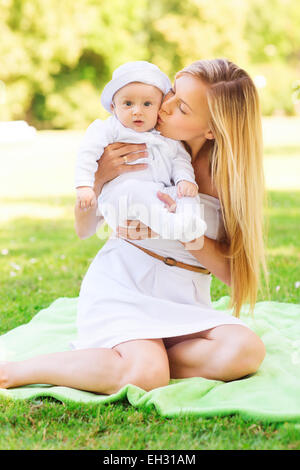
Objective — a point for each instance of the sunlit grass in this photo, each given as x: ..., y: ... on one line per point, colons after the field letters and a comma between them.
x: 47, y: 424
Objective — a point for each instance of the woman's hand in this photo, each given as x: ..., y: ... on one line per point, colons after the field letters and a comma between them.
x: 113, y: 162
x: 136, y: 230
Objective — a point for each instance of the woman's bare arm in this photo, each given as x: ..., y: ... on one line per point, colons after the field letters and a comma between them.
x: 110, y: 165
x: 212, y: 256
x: 86, y: 221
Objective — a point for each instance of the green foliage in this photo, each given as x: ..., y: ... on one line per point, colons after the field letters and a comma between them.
x: 273, y: 38
x: 277, y: 96
x: 56, y: 56
x: 272, y: 29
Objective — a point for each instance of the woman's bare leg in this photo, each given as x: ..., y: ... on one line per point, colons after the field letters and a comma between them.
x: 84, y: 369
x: 100, y: 370
x: 226, y: 352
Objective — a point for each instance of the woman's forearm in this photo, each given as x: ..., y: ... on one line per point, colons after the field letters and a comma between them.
x: 212, y: 257
x: 86, y: 222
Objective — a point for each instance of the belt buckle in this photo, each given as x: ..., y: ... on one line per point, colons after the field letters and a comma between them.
x: 170, y: 261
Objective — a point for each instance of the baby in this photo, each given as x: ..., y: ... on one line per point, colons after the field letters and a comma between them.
x: 133, y: 97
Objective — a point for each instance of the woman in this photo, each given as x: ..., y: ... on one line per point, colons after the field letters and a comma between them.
x: 214, y: 110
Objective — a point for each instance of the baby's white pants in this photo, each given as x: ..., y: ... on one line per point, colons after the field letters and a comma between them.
x: 137, y: 199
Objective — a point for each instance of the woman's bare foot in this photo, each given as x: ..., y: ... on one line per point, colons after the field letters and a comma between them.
x: 4, y: 379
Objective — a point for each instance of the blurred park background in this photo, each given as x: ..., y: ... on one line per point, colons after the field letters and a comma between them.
x: 57, y: 55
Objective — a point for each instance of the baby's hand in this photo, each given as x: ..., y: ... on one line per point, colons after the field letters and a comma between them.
x: 86, y: 197
x: 186, y: 188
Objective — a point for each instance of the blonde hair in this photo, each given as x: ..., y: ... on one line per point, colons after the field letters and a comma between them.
x: 237, y: 171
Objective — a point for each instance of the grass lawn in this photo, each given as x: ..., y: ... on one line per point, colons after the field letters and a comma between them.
x: 41, y: 259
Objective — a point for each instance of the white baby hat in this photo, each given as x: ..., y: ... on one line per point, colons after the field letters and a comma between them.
x: 139, y: 71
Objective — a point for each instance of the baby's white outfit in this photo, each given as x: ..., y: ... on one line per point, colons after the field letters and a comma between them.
x: 130, y: 197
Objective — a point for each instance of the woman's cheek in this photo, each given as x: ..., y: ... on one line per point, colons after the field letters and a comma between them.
x: 176, y: 132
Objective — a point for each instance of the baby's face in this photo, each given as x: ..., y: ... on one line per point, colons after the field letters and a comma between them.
x: 136, y: 106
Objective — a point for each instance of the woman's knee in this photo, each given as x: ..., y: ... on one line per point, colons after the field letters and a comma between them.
x: 145, y: 365
x: 148, y: 377
x: 244, y: 353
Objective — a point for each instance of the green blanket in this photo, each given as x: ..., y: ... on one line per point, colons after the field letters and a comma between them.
x: 272, y: 394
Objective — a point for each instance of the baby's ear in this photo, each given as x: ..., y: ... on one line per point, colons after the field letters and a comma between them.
x: 112, y: 107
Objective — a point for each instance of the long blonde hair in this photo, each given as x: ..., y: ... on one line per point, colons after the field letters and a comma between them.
x: 237, y: 171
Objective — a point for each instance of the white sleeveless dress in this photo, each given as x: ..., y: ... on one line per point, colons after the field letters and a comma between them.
x: 127, y: 294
